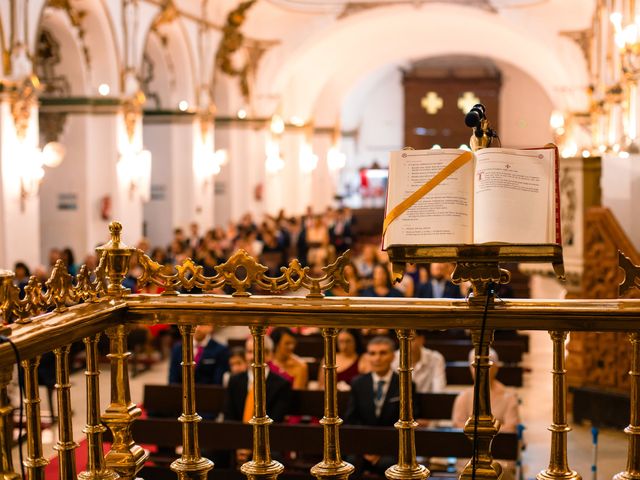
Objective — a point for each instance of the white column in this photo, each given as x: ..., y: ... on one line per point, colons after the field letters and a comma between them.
x: 81, y: 196
x: 170, y: 139
x: 203, y: 182
x: 19, y: 218
x: 324, y: 182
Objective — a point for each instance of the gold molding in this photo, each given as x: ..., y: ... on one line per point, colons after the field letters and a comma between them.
x: 23, y: 98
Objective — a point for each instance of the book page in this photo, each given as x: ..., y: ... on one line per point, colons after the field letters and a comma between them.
x: 512, y: 196
x: 442, y: 216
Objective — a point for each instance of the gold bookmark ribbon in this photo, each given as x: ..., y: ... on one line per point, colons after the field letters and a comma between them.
x: 437, y: 179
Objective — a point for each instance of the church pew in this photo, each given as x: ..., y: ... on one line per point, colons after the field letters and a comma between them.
x: 453, y: 349
x: 166, y: 401
x: 354, y: 439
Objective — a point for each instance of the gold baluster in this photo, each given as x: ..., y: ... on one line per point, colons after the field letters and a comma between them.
x: 407, y: 467
x: 96, y: 469
x: 633, y: 430
x: 125, y: 457
x: 65, y: 445
x: 190, y: 466
x: 262, y: 466
x: 34, y: 462
x: 558, y: 463
x: 485, y: 466
x: 6, y: 428
x: 332, y: 467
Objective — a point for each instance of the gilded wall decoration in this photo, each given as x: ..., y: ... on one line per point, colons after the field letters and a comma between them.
x: 76, y: 17
x: 232, y: 41
x: 47, y: 60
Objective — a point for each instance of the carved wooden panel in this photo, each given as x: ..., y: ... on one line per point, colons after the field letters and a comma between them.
x: 602, y: 359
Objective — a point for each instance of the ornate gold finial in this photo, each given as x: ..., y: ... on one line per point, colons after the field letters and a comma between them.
x: 117, y: 260
x: 115, y: 228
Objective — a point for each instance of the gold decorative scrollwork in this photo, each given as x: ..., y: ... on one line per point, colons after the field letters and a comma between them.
x: 241, y: 272
x: 22, y: 101
x: 58, y: 292
x: 631, y: 274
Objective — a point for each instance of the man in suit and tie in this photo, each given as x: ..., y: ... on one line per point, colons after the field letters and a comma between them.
x: 239, y: 400
x: 211, y: 358
x: 438, y: 285
x: 375, y: 399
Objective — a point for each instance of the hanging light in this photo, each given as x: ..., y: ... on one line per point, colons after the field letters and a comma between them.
x: 277, y: 125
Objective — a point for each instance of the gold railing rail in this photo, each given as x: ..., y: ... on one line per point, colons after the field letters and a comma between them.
x: 61, y: 311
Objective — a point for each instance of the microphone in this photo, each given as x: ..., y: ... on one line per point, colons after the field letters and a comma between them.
x: 475, y: 116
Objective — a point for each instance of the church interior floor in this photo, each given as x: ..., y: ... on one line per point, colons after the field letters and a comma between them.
x: 535, y: 412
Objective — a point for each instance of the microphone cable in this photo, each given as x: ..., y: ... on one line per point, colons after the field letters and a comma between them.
x: 16, y: 353
x: 476, y: 383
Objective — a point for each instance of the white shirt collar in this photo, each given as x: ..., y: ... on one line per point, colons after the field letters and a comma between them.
x: 386, y: 377
x: 205, y: 341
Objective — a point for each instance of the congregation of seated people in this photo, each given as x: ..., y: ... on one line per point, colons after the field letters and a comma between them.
x: 366, y: 360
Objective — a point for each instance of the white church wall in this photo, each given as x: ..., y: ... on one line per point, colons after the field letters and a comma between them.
x: 525, y: 109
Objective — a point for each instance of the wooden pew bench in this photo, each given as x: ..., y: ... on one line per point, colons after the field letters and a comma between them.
x: 166, y: 401
x: 307, y: 439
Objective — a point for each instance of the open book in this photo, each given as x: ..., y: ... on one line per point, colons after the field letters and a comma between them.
x: 495, y: 195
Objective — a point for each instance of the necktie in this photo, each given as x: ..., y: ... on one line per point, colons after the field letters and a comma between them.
x: 198, y: 356
x: 438, y: 289
x: 379, y: 390
x: 248, y: 406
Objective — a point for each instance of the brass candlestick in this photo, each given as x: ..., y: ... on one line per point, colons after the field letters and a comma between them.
x: 96, y: 469
x: 487, y: 426
x: 558, y: 464
x: 65, y: 445
x: 332, y: 467
x: 407, y: 467
x: 35, y: 461
x: 262, y: 466
x: 6, y: 428
x: 190, y: 466
x: 632, y: 472
x: 125, y: 457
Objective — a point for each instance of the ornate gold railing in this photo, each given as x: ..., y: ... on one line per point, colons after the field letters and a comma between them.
x: 53, y: 315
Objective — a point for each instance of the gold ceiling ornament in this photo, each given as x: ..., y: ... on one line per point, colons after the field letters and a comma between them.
x: 241, y: 272
x: 205, y: 120
x: 23, y: 98
x: 132, y: 111
x: 76, y: 17
x: 232, y: 41
x: 57, y: 293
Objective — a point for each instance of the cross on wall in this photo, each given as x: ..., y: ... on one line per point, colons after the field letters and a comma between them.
x: 431, y: 102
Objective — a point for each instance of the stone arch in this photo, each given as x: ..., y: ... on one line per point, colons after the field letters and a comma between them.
x: 367, y: 41
x: 168, y: 70
x: 89, y: 30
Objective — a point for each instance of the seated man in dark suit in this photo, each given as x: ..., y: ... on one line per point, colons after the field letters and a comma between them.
x: 211, y: 358
x: 239, y: 400
x: 439, y: 284
x: 375, y: 399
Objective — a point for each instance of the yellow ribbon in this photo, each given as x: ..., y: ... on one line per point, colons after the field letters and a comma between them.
x: 412, y: 199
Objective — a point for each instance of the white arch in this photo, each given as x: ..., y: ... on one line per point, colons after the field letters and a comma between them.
x: 72, y: 64
x: 100, y: 40
x: 365, y: 42
x: 178, y: 52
